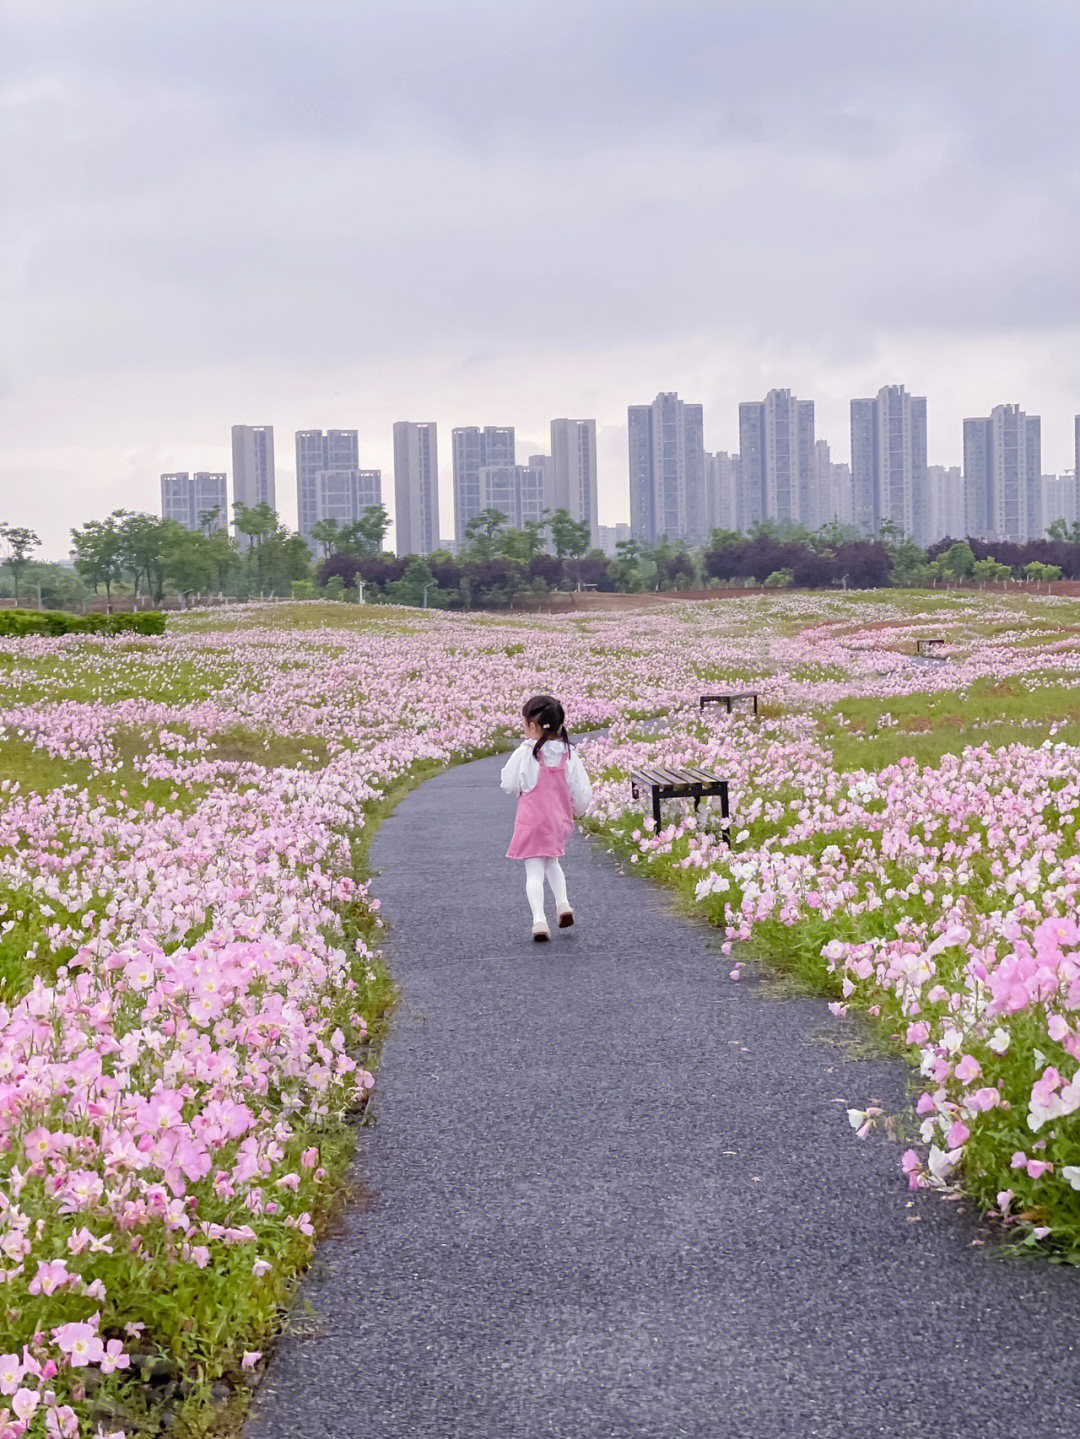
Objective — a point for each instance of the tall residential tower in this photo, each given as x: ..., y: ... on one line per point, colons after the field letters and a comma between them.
x: 888, y: 462
x: 253, y: 465
x: 1003, y: 475
x: 317, y: 454
x: 667, y: 471
x: 573, y: 471
x: 776, y: 444
x: 474, y: 449
x: 198, y: 502
x: 416, y: 488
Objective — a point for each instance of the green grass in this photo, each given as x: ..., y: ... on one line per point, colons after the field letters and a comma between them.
x: 306, y: 615
x: 929, y: 726
x: 37, y: 772
x: 86, y: 675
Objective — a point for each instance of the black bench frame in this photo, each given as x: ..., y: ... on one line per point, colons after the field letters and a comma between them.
x: 689, y: 783
x: 929, y: 649
x: 727, y: 698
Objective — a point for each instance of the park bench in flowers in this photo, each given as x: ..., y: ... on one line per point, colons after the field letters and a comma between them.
x: 665, y: 782
x: 728, y: 698
x: 930, y: 649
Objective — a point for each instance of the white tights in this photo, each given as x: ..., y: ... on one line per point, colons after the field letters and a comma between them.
x: 536, y: 871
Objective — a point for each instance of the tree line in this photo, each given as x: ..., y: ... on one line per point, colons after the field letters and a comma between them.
x: 142, y: 556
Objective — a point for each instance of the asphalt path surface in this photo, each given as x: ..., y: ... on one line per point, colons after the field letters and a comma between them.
x: 610, y: 1194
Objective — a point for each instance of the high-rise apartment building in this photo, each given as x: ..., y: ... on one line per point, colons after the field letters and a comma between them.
x: 317, y: 453
x: 1059, y: 499
x: 416, y: 488
x: 609, y: 538
x: 667, y: 471
x: 1003, y: 475
x: 472, y: 449
x: 978, y: 510
x: 344, y: 495
x: 946, y: 503
x: 573, y: 461
x: 546, y: 465
x: 1076, y: 461
x: 517, y: 491
x: 833, y: 501
x: 750, y: 495
x: 843, y: 495
x: 888, y: 461
x: 721, y: 491
x: 198, y: 501
x: 253, y: 465
x: 778, y: 459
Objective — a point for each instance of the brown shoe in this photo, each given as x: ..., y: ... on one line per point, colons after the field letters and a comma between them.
x: 566, y: 917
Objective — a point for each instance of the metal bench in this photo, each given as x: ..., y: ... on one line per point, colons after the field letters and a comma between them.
x: 728, y: 698
x: 689, y: 783
x: 930, y: 649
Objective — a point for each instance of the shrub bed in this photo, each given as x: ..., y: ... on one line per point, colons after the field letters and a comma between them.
x: 58, y: 622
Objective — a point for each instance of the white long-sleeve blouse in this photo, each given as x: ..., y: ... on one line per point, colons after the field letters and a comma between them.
x: 522, y: 770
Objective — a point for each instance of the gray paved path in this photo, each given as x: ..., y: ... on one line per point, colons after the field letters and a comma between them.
x: 609, y: 1195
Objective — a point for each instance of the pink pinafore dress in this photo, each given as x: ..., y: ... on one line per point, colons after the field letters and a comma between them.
x: 545, y: 816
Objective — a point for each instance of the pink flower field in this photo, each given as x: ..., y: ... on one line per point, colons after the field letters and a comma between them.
x: 190, y: 983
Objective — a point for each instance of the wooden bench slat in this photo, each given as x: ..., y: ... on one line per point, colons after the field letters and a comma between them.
x: 685, y: 782
x: 671, y: 776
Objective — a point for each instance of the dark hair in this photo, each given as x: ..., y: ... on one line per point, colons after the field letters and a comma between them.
x: 547, y: 712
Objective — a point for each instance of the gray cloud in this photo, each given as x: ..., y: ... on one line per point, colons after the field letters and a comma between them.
x: 214, y: 203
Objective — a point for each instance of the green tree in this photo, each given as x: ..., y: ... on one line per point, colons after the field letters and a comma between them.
x: 326, y: 533
x: 828, y: 538
x: 59, y: 586
x: 258, y: 523
x: 417, y: 586
x: 958, y: 560
x: 142, y: 542
x: 480, y: 533
x: 1036, y: 570
x: 990, y: 569
x: 781, y: 579
x: 533, y: 530
x: 99, y: 553
x: 364, y: 537
x: 569, y: 536
x: 1063, y: 532
x: 522, y: 544
x: 208, y: 519
x: 909, y: 564
x: 20, y: 543
x: 224, y: 557
x: 187, y: 558
x: 288, y: 559
x: 625, y: 568
x: 786, y: 531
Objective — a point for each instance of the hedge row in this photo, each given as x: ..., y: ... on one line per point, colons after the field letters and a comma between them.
x: 56, y: 622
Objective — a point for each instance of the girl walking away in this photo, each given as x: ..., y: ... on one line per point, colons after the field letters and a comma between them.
x: 552, y: 786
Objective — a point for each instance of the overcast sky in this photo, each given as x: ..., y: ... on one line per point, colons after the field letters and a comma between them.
x: 344, y: 214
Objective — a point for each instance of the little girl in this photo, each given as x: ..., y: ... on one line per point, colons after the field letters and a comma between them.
x: 552, y: 786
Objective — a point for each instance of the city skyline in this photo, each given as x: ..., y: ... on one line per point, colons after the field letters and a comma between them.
x: 712, y: 198
x: 816, y: 490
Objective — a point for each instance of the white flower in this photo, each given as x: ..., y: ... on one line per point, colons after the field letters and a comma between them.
x: 942, y: 1162
x: 1071, y: 1172
x: 999, y: 1040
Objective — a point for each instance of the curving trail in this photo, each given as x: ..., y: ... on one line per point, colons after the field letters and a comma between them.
x: 610, y: 1195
